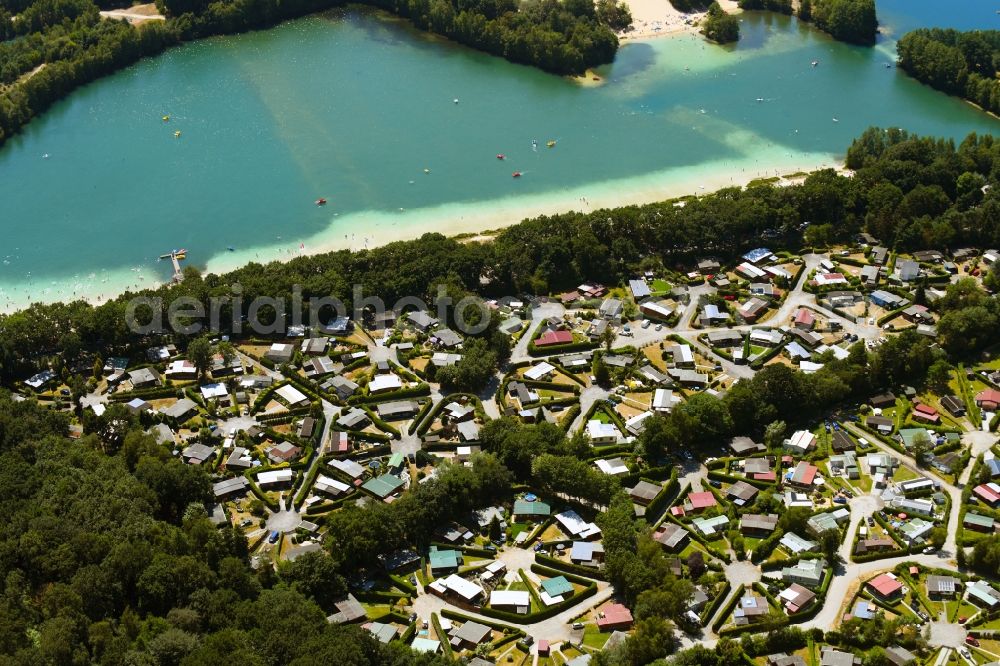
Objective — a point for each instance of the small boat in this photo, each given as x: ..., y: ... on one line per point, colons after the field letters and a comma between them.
x: 551, y: 144
x: 321, y: 201
x: 501, y: 156
x: 231, y: 248
x: 836, y: 120
x: 760, y: 99
x: 455, y: 100
x: 516, y: 174
x: 427, y: 170
x: 177, y: 134
x: 815, y: 62
x: 166, y: 119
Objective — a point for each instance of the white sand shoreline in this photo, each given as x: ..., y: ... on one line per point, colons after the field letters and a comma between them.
x: 381, y: 228
x: 652, y: 19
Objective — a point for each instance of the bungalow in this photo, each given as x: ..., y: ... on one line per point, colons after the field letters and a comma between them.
x: 355, y: 419
x: 349, y: 610
x: 765, y: 289
x: 639, y: 289
x: 136, y: 406
x: 841, y: 441
x: 845, y: 464
x: 291, y: 395
x: 883, y: 400
x: 880, y: 423
x: 797, y: 352
x: 828, y: 279
x: 635, y: 424
x: 671, y: 535
x: 383, y: 487
x: 144, y: 378
x: 447, y: 338
x: 754, y: 524
x: 988, y: 400
x: 602, y: 433
x: 524, y: 509
x: 455, y: 585
x: 280, y: 353
x: 941, y: 586
x: 759, y: 255
x: 181, y: 369
x: 550, y: 338
x: 331, y: 487
x: 953, y: 405
x: 611, y: 308
x: 682, y: 355
x: 979, y: 523
x: 869, y: 275
x: 421, y: 320
x: 885, y: 586
x: 993, y: 464
x: 988, y: 493
x: 920, y: 507
x: 217, y: 392
x: 832, y: 657
x: 724, y: 338
x: 804, y: 319
x: 753, y: 309
x: 879, y: 255
x: 572, y: 524
x: 917, y: 314
x: 511, y: 326
x: 766, y: 337
x: 660, y: 310
x: 468, y: 431
x: 180, y: 411
x: 915, y: 531
x: 801, y: 442
x: 887, y: 300
x: 539, y: 372
x: 711, y: 315
x: 586, y: 553
x: 339, y: 326
x: 314, y: 346
x: 708, y: 266
x: 198, y: 453
x: 796, y: 597
x: 925, y: 414
x: 750, y: 272
x: 653, y: 376
x: 278, y: 477
x: 753, y: 467
x: 687, y: 377
x: 711, y: 526
x: 319, y: 366
x: 664, y: 400
x: 514, y: 601
x: 795, y: 544
x: 751, y: 608
x: 397, y: 409
x: 643, y: 492
x: 779, y: 272
x: 699, y: 501
x: 907, y: 270
x: 900, y: 656
x: 875, y: 545
x: 283, y: 452
x: 307, y: 428
x: 804, y: 475
x: 230, y: 488
x: 384, y: 382
x: 982, y: 594
x: 470, y: 635
x: 809, y: 339
x: 829, y: 520
x: 743, y: 446
x: 239, y: 459
x: 741, y: 493
x: 613, y: 467
x: 614, y: 617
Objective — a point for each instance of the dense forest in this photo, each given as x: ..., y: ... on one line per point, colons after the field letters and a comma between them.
x: 780, y: 6
x: 958, y: 63
x: 50, y: 47
x: 911, y: 192
x: 851, y: 21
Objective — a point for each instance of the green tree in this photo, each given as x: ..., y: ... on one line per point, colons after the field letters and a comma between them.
x: 199, y: 352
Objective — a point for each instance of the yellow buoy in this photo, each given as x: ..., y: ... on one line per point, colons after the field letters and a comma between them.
x: 177, y: 134
x: 166, y: 118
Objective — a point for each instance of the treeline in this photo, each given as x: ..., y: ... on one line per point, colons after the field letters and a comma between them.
x: 958, y: 63
x: 109, y: 558
x: 76, y: 46
x: 911, y: 192
x: 851, y: 21
x: 780, y: 6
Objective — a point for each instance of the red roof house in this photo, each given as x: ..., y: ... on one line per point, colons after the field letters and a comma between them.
x: 926, y: 413
x: 699, y: 501
x: 988, y: 399
x: 885, y: 585
x: 804, y: 319
x: 988, y: 492
x: 615, y: 617
x: 550, y: 338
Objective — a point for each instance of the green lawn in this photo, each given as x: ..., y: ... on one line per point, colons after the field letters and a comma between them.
x: 593, y: 638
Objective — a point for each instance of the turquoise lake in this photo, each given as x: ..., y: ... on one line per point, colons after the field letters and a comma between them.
x: 354, y: 107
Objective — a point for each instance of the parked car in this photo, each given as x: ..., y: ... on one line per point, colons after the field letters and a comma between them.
x: 578, y: 625
x: 413, y: 617
x: 273, y: 538
x: 715, y: 483
x: 972, y: 640
x: 646, y: 323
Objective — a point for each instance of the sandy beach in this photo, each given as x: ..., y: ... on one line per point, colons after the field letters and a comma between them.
x: 658, y: 18
x: 376, y: 228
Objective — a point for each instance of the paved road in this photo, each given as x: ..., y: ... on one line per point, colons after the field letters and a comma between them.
x: 538, y: 314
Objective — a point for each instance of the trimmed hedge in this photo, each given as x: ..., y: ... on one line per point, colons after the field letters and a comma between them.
x: 445, y: 645
x: 709, y: 612
x: 559, y: 565
x: 728, y: 609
